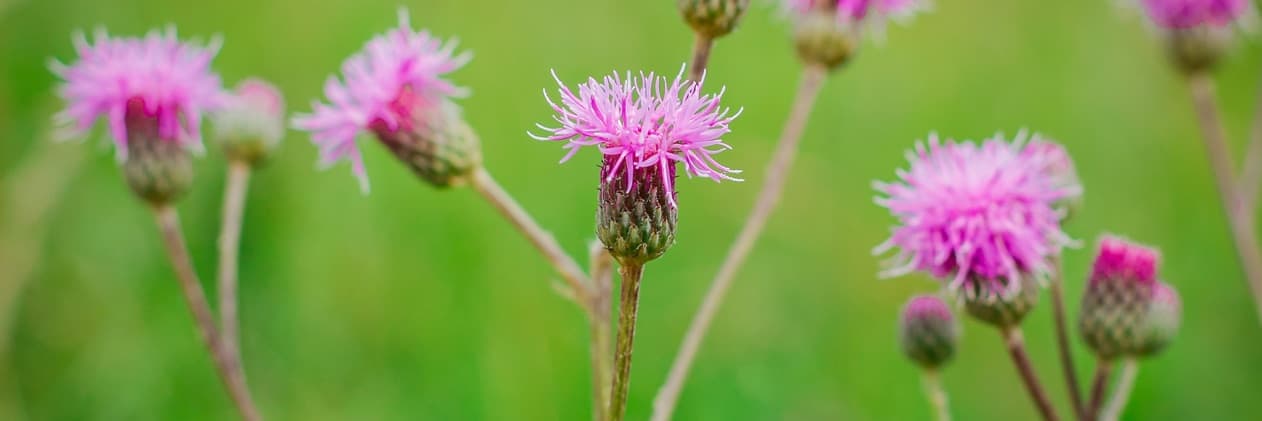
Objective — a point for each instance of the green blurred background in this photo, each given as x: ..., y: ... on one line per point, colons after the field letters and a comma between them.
x: 412, y: 303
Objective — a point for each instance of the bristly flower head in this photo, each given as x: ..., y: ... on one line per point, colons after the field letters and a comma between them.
x: 155, y: 81
x: 396, y: 76
x: 858, y: 10
x: 1116, y: 306
x: 1184, y: 14
x: 980, y: 215
x: 927, y: 331
x: 644, y: 121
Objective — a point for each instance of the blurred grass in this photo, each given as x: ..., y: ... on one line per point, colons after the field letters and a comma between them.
x: 413, y: 303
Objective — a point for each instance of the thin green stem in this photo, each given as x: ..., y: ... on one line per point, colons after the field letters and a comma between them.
x: 937, y: 395
x: 1062, y: 340
x: 226, y: 362
x: 628, y: 309
x: 598, y: 309
x: 1015, y: 343
x: 1121, y: 392
x: 768, y: 198
x: 1102, y: 370
x: 700, y: 56
x: 235, y: 189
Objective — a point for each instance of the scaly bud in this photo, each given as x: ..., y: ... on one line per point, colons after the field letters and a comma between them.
x: 251, y: 125
x: 927, y: 331
x: 1004, y: 307
x: 158, y: 170
x: 712, y: 18
x: 439, y: 146
x: 824, y: 40
x: 1162, y: 323
x: 636, y: 216
x: 1198, y: 48
x: 1116, y: 304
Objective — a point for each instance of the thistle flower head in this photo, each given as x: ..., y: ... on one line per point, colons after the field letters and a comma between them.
x: 384, y: 87
x: 250, y: 125
x: 1116, y: 304
x: 928, y: 331
x: 712, y: 18
x: 644, y: 121
x: 978, y: 215
x: 155, y: 84
x: 1183, y: 14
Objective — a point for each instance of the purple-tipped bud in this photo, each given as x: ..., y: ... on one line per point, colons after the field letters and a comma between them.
x: 823, y: 40
x: 438, y: 146
x: 1162, y: 324
x: 927, y: 331
x: 1198, y: 32
x: 251, y: 123
x: 157, y: 170
x: 1116, y: 303
x: 1002, y: 307
x: 713, y: 18
x: 635, y: 219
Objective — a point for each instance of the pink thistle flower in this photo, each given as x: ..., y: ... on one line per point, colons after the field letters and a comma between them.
x: 150, y: 86
x: 645, y: 121
x: 1119, y: 260
x: 395, y: 78
x: 979, y: 214
x: 858, y: 10
x: 1183, y: 14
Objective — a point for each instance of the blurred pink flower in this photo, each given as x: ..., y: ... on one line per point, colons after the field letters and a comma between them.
x: 974, y: 213
x: 639, y: 122
x: 1119, y: 260
x: 1180, y: 14
x: 155, y: 85
x: 397, y: 76
x: 858, y: 10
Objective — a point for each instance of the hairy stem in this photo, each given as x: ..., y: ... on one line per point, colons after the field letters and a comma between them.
x: 541, y: 239
x: 628, y: 308
x: 1241, y: 224
x: 768, y: 198
x: 700, y: 57
x: 937, y: 395
x: 1062, y: 339
x: 1121, y: 392
x: 237, y: 184
x: 226, y: 362
x: 1016, y: 347
x: 1102, y: 370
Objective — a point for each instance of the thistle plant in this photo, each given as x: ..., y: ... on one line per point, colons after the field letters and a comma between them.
x: 152, y: 92
x: 644, y: 127
x: 927, y: 334
x: 982, y: 219
x: 249, y: 126
x: 827, y: 51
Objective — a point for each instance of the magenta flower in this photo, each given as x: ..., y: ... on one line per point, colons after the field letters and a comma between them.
x: 151, y: 86
x: 974, y: 213
x: 1182, y: 14
x: 1119, y: 260
x: 396, y: 77
x: 858, y: 10
x: 639, y: 122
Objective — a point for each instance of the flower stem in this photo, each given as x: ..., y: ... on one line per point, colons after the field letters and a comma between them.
x: 1102, y: 370
x: 768, y: 198
x: 601, y: 335
x: 226, y: 362
x: 1121, y: 392
x: 237, y: 184
x: 937, y: 395
x: 700, y: 56
x: 1062, y: 339
x: 1016, y: 347
x: 628, y: 309
x: 1240, y: 223
x: 1251, y: 173
x: 541, y: 239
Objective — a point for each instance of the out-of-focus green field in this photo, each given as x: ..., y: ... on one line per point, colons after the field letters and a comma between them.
x: 412, y: 303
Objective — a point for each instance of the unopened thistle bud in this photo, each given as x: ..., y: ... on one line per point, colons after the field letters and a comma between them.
x: 395, y: 89
x: 1116, y: 304
x: 980, y: 217
x: 251, y: 123
x: 645, y: 126
x: 1002, y: 307
x: 158, y: 88
x: 712, y: 18
x: 1197, y: 32
x: 823, y: 40
x: 1162, y: 324
x: 927, y: 331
